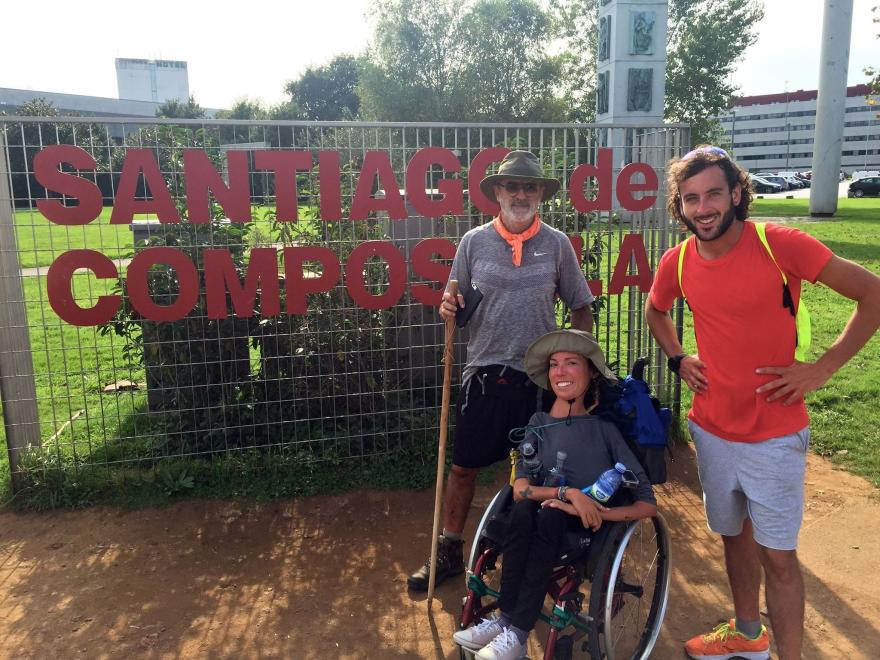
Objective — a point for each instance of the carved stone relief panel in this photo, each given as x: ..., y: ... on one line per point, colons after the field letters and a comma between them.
x: 602, y: 91
x: 639, y: 90
x: 604, y: 38
x: 641, y: 30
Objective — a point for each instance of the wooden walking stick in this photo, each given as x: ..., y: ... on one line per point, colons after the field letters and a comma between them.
x: 441, y: 450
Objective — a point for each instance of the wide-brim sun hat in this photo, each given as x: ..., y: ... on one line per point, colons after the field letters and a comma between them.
x: 537, y: 359
x: 520, y: 165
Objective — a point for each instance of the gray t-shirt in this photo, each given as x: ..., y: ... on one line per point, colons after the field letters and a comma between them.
x: 592, y: 445
x: 518, y: 303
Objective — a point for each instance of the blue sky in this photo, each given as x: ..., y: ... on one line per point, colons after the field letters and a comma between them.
x: 253, y: 48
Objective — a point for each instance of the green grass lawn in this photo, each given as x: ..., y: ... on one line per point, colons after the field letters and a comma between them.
x: 40, y: 242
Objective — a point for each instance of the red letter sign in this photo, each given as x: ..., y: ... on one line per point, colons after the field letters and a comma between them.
x: 221, y: 276
x: 46, y: 171
x: 328, y: 181
x: 377, y: 163
x: 626, y: 187
x: 297, y: 285
x: 61, y: 299
x: 602, y: 171
x: 425, y: 267
x: 632, y: 247
x: 477, y: 173
x: 284, y: 166
x: 138, y: 283
x: 137, y: 162
x: 201, y: 178
x: 451, y: 189
x: 354, y: 275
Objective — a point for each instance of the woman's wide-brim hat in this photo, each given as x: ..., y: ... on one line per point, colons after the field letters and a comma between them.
x: 537, y: 360
x: 520, y: 165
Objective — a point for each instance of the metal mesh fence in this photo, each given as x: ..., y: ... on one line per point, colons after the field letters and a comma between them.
x: 325, y: 368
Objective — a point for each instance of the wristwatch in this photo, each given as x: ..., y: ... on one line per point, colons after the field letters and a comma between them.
x: 560, y: 494
x: 674, y: 363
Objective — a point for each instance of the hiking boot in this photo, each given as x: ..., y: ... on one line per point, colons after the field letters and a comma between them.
x: 476, y: 637
x: 504, y: 647
x: 724, y: 643
x: 450, y: 562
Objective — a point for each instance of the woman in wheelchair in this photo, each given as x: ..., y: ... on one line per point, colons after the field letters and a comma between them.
x: 569, y: 362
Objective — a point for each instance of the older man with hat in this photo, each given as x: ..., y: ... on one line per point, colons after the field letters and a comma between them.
x: 521, y: 265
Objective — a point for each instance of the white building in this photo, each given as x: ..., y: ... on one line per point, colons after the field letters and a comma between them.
x: 152, y: 80
x: 775, y: 132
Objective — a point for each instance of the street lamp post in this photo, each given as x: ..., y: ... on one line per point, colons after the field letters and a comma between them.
x: 787, y: 129
x: 733, y: 130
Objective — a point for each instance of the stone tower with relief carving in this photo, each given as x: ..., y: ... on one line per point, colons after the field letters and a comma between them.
x: 631, y: 61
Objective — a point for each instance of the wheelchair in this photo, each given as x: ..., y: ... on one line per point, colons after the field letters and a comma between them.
x: 609, y: 590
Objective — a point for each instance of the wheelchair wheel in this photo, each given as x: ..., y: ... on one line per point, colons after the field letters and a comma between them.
x: 484, y: 564
x: 630, y: 590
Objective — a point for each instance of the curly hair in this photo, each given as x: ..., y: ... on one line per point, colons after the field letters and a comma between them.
x: 701, y: 158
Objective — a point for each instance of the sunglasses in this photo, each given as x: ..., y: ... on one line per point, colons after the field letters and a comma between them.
x: 716, y: 151
x: 528, y: 187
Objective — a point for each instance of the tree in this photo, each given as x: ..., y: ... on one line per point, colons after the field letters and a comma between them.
x: 506, y: 71
x: 578, y: 29
x: 407, y: 73
x: 244, y: 108
x: 327, y: 93
x: 176, y: 109
x: 873, y: 72
x: 442, y: 60
x: 705, y: 41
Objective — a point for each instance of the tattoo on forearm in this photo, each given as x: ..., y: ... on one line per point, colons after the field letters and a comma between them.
x: 526, y: 492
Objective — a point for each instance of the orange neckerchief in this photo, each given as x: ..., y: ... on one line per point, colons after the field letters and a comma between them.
x: 516, y: 240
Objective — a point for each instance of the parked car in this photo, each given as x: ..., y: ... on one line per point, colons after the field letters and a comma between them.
x: 762, y: 186
x: 864, y: 187
x: 778, y: 180
x: 864, y: 174
x: 793, y: 182
x: 804, y: 179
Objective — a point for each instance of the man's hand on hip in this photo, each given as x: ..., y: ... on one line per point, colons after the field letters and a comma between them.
x: 794, y: 381
x: 691, y: 372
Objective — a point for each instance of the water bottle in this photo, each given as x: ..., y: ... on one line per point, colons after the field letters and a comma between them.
x: 607, y: 483
x: 531, y: 461
x: 556, y: 478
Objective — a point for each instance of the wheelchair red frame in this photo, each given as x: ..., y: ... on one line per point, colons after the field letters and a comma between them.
x: 573, y: 633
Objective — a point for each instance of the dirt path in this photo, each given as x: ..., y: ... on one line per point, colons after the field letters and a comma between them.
x: 325, y: 577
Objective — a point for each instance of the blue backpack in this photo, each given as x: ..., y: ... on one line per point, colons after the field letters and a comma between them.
x: 642, y: 421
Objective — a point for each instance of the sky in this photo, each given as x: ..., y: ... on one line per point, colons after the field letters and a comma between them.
x: 254, y: 49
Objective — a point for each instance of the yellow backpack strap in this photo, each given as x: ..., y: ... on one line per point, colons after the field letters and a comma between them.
x: 761, y: 228
x: 681, y: 250
x: 801, y: 315
x: 514, y: 457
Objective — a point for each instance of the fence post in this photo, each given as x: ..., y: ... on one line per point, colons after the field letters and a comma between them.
x: 18, y: 390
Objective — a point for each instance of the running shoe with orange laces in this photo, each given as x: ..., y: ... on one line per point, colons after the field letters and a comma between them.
x: 725, y: 642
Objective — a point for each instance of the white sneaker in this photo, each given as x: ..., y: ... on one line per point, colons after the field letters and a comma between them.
x: 476, y: 637
x: 504, y: 647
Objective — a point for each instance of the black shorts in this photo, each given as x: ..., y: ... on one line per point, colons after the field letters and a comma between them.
x: 496, y: 403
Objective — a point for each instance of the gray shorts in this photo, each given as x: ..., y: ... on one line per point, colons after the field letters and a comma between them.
x: 763, y: 481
